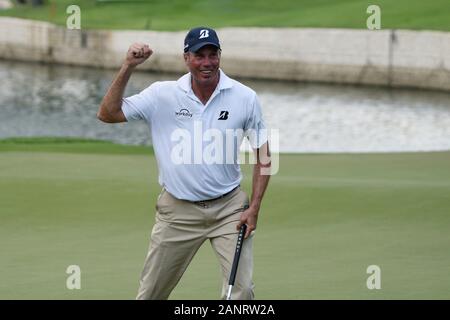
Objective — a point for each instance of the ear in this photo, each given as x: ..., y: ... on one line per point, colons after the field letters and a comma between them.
x: 186, y: 57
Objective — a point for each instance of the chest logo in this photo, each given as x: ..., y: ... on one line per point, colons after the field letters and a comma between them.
x: 183, y: 113
x: 223, y: 115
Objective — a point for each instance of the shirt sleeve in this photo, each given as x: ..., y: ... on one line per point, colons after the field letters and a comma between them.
x: 141, y: 105
x: 255, y: 128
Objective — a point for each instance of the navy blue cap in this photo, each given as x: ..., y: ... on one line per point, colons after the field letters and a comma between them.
x: 200, y: 37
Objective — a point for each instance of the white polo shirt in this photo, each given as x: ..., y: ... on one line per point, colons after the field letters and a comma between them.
x: 196, y: 145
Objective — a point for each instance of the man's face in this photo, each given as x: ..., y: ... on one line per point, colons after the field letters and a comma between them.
x: 204, y: 64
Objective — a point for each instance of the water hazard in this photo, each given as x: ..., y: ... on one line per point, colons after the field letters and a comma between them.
x: 50, y: 100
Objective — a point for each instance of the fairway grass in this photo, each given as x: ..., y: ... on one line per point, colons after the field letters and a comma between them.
x: 183, y: 15
x: 325, y: 218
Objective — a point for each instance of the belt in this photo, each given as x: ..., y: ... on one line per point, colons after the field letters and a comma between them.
x: 219, y: 197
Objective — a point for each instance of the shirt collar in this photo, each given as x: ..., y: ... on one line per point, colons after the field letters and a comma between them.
x: 224, y: 82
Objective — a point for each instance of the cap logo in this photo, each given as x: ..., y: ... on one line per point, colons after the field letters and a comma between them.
x: 204, y: 34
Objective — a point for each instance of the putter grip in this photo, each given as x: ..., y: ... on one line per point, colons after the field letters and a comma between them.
x: 237, y: 254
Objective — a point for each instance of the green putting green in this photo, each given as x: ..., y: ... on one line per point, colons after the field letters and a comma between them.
x: 324, y: 220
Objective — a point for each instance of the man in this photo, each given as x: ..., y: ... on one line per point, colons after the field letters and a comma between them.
x: 201, y: 197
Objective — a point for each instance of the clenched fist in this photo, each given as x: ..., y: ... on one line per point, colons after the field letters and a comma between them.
x: 137, y: 54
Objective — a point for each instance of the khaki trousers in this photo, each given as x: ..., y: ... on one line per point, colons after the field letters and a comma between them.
x: 181, y: 228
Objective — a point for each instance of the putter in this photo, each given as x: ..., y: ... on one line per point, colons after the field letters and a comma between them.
x: 237, y: 254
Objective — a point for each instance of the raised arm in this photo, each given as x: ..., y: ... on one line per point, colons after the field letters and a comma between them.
x: 110, y: 110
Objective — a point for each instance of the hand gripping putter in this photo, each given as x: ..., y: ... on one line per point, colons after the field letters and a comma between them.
x: 237, y: 254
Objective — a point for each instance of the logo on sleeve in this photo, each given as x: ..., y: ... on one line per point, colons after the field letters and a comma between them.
x: 223, y: 115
